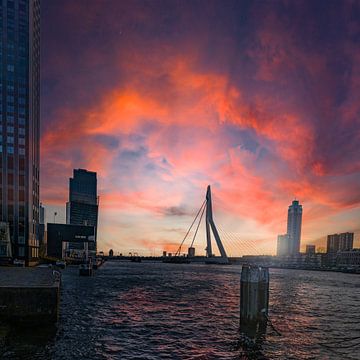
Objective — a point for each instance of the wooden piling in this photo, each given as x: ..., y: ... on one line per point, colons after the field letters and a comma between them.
x: 254, y: 299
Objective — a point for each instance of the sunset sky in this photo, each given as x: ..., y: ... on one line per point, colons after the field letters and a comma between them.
x: 260, y: 99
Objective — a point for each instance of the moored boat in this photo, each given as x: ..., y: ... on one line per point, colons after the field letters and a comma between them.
x: 86, y: 269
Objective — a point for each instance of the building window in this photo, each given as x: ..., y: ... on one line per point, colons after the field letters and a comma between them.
x: 21, y: 195
x: 10, y: 149
x: 21, y: 251
x: 21, y: 164
x: 10, y: 129
x: 10, y: 139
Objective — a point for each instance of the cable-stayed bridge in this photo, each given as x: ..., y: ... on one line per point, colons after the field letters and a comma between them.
x: 223, y: 240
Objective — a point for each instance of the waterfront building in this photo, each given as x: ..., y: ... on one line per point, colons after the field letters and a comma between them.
x: 65, y: 240
x: 42, y: 231
x: 332, y: 245
x: 294, y: 227
x: 82, y: 207
x: 340, y: 242
x: 346, y: 241
x: 310, y: 249
x: 348, y: 258
x: 191, y: 252
x: 282, y: 245
x: 111, y: 253
x: 41, y: 214
x: 20, y: 125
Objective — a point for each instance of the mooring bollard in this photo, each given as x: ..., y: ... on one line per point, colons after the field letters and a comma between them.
x: 254, y: 300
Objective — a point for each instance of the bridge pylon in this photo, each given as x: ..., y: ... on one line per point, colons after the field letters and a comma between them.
x: 210, y: 226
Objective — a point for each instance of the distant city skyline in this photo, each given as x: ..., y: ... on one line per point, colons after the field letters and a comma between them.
x: 161, y: 99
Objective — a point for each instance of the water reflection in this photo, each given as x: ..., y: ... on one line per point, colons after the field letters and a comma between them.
x: 167, y: 311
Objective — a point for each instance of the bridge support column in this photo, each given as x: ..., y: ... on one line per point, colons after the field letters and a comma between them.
x: 254, y: 300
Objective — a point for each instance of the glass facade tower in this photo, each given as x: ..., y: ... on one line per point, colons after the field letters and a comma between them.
x: 82, y: 208
x: 20, y: 124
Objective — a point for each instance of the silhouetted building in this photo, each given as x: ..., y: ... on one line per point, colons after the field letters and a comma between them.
x: 191, y: 252
x: 111, y: 253
x: 42, y: 231
x: 64, y: 240
x: 294, y: 227
x: 340, y: 242
x: 350, y: 258
x: 332, y: 245
x: 41, y: 214
x: 82, y: 208
x: 310, y: 249
x: 346, y: 241
x: 20, y: 125
x: 282, y: 245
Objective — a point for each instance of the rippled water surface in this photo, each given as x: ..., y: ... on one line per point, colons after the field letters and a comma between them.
x: 168, y: 311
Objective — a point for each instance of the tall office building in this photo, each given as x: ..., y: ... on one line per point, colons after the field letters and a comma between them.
x: 20, y: 124
x: 294, y: 227
x: 82, y: 208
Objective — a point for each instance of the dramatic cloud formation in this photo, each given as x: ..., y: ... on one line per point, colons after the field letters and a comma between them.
x: 258, y: 99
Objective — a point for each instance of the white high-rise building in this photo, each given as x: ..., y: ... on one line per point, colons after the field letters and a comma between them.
x: 294, y: 227
x: 282, y: 245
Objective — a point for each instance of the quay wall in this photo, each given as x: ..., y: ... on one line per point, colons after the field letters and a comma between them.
x: 29, y: 304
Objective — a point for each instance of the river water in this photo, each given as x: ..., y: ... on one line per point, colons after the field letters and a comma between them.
x: 180, y: 311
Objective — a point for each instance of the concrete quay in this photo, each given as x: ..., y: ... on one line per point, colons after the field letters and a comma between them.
x: 29, y: 295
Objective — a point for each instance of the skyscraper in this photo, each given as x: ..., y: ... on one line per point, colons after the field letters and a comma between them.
x: 20, y: 124
x: 82, y: 208
x: 294, y: 227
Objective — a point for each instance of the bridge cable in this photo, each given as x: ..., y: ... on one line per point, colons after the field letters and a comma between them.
x: 179, y: 249
x: 198, y: 225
